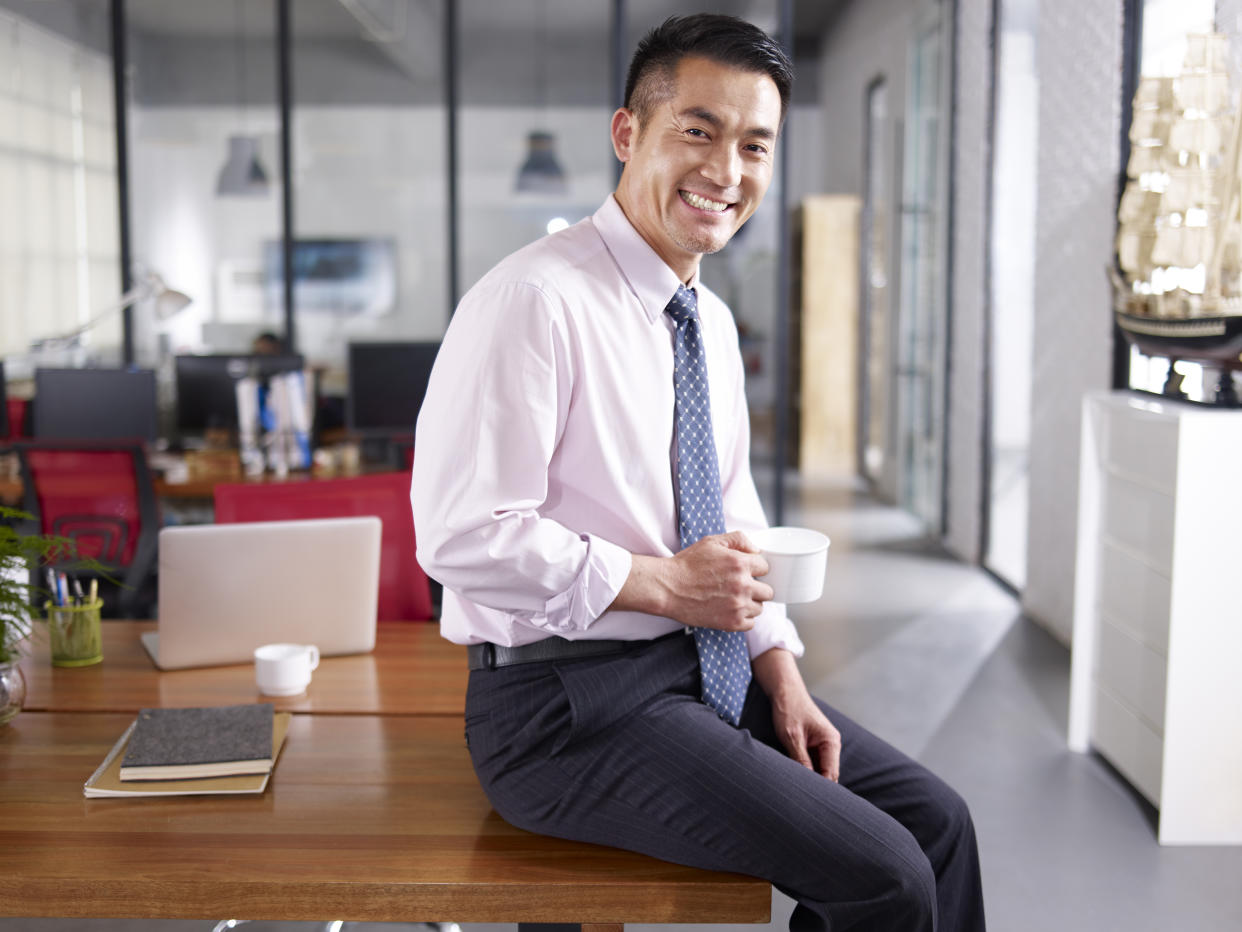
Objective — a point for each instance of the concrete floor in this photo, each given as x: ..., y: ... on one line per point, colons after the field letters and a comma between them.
x: 935, y: 657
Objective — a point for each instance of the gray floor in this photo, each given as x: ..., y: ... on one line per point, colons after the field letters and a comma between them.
x: 936, y: 658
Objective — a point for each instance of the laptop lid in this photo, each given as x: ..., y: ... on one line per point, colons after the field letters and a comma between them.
x: 225, y: 589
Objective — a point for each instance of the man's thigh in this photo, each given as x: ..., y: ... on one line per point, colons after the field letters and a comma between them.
x: 670, y: 779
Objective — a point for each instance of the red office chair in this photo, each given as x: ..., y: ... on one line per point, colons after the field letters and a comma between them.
x: 404, y: 594
x: 17, y: 409
x: 101, y: 497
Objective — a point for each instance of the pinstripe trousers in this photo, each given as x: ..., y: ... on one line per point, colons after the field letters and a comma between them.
x: 619, y: 751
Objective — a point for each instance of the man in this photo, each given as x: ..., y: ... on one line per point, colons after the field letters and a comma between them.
x: 563, y: 495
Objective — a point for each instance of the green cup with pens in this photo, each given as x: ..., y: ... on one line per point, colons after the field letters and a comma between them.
x: 73, y: 620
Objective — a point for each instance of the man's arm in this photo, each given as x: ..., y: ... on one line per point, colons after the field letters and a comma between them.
x: 710, y: 584
x: 805, y: 731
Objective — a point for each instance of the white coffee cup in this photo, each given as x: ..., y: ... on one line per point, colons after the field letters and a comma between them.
x: 284, y: 669
x: 797, y: 558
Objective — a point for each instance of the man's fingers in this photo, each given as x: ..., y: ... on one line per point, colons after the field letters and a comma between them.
x: 736, y: 540
x: 830, y: 757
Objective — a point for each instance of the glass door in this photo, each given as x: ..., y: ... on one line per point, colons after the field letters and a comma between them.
x: 921, y: 337
x: 873, y: 333
x: 1013, y: 291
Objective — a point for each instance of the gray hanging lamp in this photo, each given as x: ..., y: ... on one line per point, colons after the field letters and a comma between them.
x: 243, y: 174
x: 541, y: 173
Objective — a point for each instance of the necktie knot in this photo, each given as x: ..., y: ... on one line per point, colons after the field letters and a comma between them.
x: 684, y: 306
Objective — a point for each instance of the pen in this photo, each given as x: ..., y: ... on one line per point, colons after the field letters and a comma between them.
x: 62, y: 589
x: 51, y: 584
x: 94, y: 591
x: 77, y: 590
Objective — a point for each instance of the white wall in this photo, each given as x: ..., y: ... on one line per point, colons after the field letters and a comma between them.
x: 1079, y: 67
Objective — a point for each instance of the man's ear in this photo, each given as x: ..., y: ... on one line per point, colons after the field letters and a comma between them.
x: 624, y: 131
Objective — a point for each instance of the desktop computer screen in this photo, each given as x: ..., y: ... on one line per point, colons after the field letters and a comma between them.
x: 95, y: 404
x: 206, y: 386
x: 387, y: 382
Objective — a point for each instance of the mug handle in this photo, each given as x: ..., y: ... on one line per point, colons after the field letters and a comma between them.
x: 314, y: 656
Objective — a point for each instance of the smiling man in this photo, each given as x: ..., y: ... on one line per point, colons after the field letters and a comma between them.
x: 582, y: 489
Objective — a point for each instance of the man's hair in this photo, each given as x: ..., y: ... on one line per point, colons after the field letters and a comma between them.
x: 725, y: 40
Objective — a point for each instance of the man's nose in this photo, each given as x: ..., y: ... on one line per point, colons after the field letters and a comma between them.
x: 723, y: 167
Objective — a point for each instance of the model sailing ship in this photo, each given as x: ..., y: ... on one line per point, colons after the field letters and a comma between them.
x: 1179, y: 238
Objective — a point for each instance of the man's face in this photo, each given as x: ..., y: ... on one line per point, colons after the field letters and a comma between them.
x: 699, y: 166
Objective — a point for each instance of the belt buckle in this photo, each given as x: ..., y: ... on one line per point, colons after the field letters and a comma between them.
x: 489, y: 656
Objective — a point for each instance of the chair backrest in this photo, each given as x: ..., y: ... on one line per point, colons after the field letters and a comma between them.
x: 16, y: 409
x: 404, y: 594
x: 95, y: 496
x: 101, y: 497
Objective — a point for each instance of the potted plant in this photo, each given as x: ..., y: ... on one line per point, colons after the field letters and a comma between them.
x: 20, y: 553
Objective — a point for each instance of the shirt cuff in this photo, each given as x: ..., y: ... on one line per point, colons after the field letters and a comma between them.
x: 603, y: 573
x: 773, y: 628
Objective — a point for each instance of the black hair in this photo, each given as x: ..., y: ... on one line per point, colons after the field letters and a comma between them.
x: 725, y: 40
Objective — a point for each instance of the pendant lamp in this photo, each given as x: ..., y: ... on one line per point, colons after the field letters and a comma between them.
x: 243, y: 174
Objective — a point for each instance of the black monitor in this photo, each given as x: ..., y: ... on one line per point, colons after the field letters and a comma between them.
x: 95, y: 404
x: 4, y: 406
x: 207, y: 386
x: 387, y: 382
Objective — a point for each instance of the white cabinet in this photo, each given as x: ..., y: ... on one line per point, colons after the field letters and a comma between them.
x: 1156, y: 676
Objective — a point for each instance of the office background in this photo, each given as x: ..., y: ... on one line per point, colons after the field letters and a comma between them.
x: 982, y: 143
x: 984, y: 140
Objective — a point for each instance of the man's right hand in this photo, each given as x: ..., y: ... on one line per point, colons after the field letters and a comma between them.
x: 710, y: 584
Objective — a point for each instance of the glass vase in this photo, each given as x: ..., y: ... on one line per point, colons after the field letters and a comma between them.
x: 12, y: 691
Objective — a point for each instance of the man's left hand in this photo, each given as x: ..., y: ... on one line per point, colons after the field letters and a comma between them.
x: 802, y: 727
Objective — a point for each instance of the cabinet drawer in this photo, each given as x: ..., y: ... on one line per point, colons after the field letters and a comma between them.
x: 1133, y: 673
x: 1129, y: 744
x: 1141, y: 520
x: 1143, y: 447
x: 1135, y: 597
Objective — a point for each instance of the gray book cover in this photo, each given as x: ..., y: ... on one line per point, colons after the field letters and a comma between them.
x: 213, y: 735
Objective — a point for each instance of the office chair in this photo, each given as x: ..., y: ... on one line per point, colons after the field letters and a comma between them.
x: 16, y: 410
x: 405, y: 593
x: 101, y: 497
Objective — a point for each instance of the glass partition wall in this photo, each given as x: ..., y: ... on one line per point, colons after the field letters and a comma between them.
x: 427, y: 139
x: 60, y: 283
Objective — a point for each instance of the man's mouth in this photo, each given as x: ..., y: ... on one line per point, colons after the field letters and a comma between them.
x: 702, y: 203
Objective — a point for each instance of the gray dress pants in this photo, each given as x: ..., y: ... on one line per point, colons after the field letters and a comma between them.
x: 620, y: 751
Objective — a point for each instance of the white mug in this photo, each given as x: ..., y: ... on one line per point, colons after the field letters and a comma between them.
x: 797, y: 559
x: 284, y: 669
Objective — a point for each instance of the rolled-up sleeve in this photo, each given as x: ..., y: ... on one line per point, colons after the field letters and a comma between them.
x: 494, y: 411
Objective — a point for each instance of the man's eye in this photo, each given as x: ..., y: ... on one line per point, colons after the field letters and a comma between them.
x: 697, y: 132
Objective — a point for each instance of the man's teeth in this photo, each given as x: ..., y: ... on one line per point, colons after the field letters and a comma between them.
x: 702, y: 203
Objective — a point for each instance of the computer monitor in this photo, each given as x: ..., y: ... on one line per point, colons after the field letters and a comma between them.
x: 95, y: 404
x: 207, y: 386
x: 387, y: 382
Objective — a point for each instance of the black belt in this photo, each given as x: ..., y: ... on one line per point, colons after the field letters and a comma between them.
x: 490, y: 656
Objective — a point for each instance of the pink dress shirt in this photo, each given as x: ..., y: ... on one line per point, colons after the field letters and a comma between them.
x: 544, y: 453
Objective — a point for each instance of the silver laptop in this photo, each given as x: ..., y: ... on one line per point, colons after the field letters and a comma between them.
x: 225, y: 589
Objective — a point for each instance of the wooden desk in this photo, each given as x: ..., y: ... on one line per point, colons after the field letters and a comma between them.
x: 412, y: 671
x: 366, y: 818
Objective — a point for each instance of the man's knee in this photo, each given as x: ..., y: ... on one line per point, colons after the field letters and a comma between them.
x: 910, y: 895
x: 949, y: 820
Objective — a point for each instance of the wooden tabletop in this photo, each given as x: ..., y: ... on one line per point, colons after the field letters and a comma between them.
x: 412, y: 671
x: 366, y: 818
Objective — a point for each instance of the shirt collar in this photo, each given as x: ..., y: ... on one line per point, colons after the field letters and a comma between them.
x: 649, y: 277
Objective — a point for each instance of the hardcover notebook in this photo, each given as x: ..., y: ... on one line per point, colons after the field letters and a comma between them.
x: 175, y: 744
x: 106, y: 780
x: 226, y: 589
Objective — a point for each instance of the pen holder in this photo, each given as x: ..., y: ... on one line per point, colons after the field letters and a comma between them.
x: 76, y: 637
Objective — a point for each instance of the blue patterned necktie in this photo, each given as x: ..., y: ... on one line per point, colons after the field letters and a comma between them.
x: 724, y: 659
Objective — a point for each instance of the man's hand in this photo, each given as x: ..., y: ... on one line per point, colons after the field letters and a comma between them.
x: 710, y: 584
x: 803, y: 729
